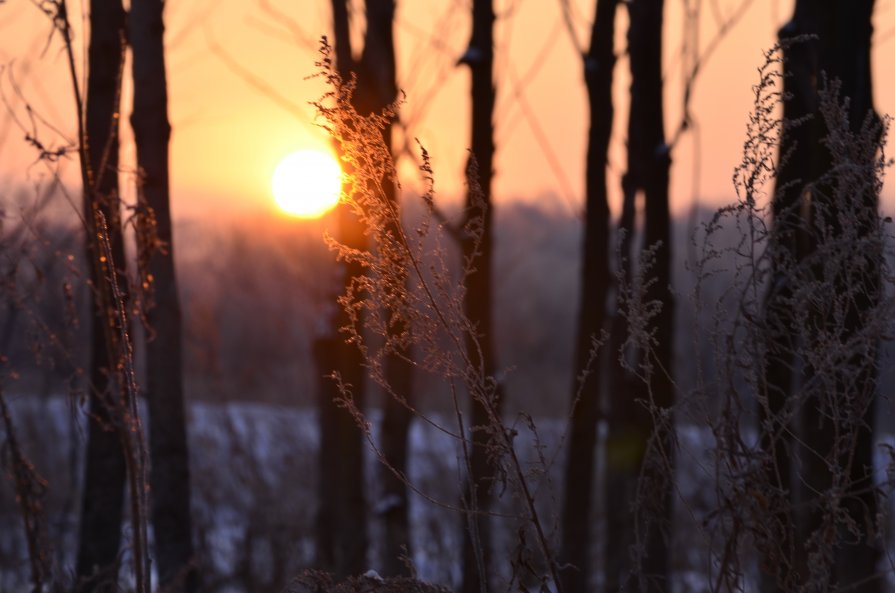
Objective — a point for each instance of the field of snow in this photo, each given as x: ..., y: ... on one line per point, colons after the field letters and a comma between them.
x: 254, y: 483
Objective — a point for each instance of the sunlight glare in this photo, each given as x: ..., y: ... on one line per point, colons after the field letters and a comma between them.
x: 307, y: 184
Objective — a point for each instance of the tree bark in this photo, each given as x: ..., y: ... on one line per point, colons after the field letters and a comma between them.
x: 343, y: 514
x: 599, y: 63
x: 786, y: 250
x: 845, y: 31
x: 350, y: 529
x: 478, y: 300
x: 325, y: 362
x: 105, y: 467
x: 840, y: 51
x: 169, y: 454
x: 639, y: 455
x: 377, y: 89
x: 849, y: 60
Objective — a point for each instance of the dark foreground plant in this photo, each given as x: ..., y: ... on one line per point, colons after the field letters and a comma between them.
x: 388, y: 319
x: 791, y: 486
x: 30, y: 489
x: 106, y: 289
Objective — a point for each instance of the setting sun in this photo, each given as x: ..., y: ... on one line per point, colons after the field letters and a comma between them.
x: 307, y: 184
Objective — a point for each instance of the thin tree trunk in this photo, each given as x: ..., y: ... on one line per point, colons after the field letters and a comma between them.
x: 657, y: 473
x: 325, y: 360
x: 169, y: 454
x: 576, y: 516
x: 377, y: 89
x: 478, y: 299
x: 634, y: 474
x: 395, y: 512
x: 344, y: 513
x: 105, y: 468
x: 326, y: 356
x: 350, y: 529
x: 620, y: 378
x: 348, y: 511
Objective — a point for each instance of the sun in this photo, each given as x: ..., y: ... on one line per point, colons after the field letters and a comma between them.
x: 307, y: 184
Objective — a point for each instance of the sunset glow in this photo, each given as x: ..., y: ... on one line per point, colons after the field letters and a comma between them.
x: 307, y: 184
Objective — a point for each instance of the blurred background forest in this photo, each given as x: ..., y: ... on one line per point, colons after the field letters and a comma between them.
x: 634, y: 336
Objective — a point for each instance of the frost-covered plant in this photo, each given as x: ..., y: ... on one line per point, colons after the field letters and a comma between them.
x: 410, y: 299
x: 797, y: 334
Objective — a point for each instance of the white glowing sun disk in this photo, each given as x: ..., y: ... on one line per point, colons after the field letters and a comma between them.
x: 307, y: 184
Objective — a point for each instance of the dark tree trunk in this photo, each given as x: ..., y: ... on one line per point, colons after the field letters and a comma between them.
x: 841, y: 51
x: 848, y: 58
x: 635, y: 476
x: 394, y: 506
x: 621, y: 380
x: 479, y: 298
x: 787, y: 241
x: 105, y: 468
x: 845, y: 32
x: 342, y: 518
x: 348, y: 511
x: 170, y: 475
x: 377, y: 89
x: 325, y: 360
x: 326, y: 357
x: 576, y: 515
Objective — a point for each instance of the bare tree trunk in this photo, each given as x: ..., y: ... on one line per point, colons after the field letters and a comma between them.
x: 326, y: 357
x: 841, y: 51
x: 479, y: 297
x: 844, y: 54
x: 377, y: 89
x: 787, y: 241
x: 639, y: 455
x: 350, y: 538
x: 394, y: 507
x: 858, y: 559
x: 621, y: 380
x: 325, y: 360
x: 576, y: 515
x: 349, y: 529
x: 342, y: 519
x: 169, y: 454
x: 105, y: 469
x: 839, y: 400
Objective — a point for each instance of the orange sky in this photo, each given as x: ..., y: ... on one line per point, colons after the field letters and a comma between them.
x: 229, y: 135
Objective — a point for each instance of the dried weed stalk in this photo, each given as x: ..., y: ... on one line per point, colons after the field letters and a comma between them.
x: 388, y: 319
x: 30, y: 489
x: 820, y: 310
x: 109, y: 301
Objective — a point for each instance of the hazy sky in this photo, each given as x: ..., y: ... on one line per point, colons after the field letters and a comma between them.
x: 239, y: 94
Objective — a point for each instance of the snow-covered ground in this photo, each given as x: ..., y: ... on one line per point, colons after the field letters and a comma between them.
x: 255, y: 482
x: 254, y: 476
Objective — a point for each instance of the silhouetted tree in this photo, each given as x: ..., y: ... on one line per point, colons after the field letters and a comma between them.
x: 342, y: 519
x: 377, y: 88
x: 599, y: 62
x: 845, y: 42
x: 325, y: 360
x: 105, y: 468
x: 479, y: 296
x: 815, y: 208
x: 170, y: 474
x: 787, y: 232
x: 336, y: 550
x: 638, y: 448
